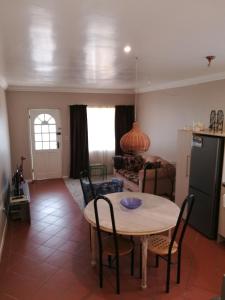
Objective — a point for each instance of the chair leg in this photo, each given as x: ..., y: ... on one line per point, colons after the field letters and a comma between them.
x: 168, y: 274
x: 90, y: 235
x: 109, y: 261
x: 132, y: 258
x: 178, y: 265
x: 132, y: 263
x: 140, y: 266
x: 100, y: 271
x: 117, y: 276
x: 157, y: 261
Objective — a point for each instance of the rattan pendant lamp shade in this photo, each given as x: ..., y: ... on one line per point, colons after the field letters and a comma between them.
x: 135, y: 141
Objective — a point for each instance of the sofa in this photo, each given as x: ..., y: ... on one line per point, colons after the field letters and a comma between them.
x: 130, y: 169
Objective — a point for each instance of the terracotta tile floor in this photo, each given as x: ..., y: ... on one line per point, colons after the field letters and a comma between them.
x: 50, y: 259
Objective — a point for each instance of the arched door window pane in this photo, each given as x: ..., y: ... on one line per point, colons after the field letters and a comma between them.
x: 45, y: 132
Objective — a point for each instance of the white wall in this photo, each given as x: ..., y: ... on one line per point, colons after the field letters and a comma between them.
x: 19, y: 103
x: 162, y: 113
x: 5, y: 175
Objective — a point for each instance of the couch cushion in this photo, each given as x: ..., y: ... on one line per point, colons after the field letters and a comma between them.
x: 133, y: 163
x: 118, y: 162
x: 129, y: 175
x: 151, y: 158
x: 167, y: 170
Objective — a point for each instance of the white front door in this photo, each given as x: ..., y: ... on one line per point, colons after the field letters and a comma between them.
x: 45, y: 134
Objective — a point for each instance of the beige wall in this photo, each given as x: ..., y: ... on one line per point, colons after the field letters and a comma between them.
x: 162, y: 113
x: 19, y: 104
x: 5, y: 175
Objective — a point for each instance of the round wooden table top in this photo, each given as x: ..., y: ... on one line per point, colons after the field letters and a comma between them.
x: 156, y: 214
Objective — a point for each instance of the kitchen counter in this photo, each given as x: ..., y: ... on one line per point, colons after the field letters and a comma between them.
x: 207, y: 132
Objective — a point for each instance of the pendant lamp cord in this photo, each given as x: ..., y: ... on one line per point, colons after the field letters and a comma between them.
x: 135, y: 95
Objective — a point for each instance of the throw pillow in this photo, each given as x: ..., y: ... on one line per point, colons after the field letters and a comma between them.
x: 138, y: 163
x: 133, y: 163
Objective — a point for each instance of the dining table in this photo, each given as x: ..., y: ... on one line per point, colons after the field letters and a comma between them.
x: 156, y: 214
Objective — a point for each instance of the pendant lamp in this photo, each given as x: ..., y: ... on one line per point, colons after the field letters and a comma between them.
x: 135, y: 141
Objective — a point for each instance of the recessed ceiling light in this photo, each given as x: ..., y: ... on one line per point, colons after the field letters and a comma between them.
x: 127, y: 49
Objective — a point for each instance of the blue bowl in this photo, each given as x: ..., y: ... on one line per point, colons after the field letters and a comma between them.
x: 131, y: 203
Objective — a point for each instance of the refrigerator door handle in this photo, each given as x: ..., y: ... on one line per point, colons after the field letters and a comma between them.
x: 187, y: 165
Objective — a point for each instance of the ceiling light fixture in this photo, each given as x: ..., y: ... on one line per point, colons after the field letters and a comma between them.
x: 135, y: 141
x: 127, y: 49
x: 210, y: 58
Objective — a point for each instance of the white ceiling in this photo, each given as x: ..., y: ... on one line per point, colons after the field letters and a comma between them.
x: 73, y: 44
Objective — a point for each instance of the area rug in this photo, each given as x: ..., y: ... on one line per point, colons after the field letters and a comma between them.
x: 75, y: 190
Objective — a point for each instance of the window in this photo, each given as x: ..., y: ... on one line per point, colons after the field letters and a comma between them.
x: 45, y: 132
x: 101, y: 128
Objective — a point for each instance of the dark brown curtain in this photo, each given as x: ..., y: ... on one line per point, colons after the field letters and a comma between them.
x: 79, y: 157
x: 124, y: 118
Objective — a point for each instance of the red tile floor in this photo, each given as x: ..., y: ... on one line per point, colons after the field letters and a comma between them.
x: 50, y: 259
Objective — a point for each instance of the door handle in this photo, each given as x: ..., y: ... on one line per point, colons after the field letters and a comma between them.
x: 57, y: 144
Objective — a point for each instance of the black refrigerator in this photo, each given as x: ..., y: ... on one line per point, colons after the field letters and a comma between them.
x: 205, y: 182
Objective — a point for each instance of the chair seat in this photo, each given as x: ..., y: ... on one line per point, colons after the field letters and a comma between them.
x: 124, y: 246
x: 159, y: 244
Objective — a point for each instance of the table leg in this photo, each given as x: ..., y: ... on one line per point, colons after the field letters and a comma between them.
x: 105, y: 172
x: 144, y: 241
x: 93, y: 246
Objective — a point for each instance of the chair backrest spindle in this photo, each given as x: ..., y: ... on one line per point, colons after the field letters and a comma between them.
x: 189, y: 201
x: 85, y: 178
x: 148, y: 166
x: 98, y: 227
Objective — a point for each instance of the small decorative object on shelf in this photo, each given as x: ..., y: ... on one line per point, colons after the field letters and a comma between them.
x: 198, y: 126
x: 18, y: 179
x: 219, y: 120
x: 212, y: 122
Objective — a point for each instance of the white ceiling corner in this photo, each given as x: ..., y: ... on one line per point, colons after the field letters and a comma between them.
x: 23, y: 88
x: 183, y: 83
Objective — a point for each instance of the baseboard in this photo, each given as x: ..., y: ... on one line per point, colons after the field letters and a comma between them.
x: 3, y: 239
x: 29, y: 180
x: 32, y: 180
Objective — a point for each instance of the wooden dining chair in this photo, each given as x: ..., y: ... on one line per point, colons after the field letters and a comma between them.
x: 149, y: 166
x: 164, y: 247
x: 112, y: 245
x: 91, y: 190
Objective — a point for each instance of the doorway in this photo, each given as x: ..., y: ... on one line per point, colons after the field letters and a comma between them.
x: 46, y: 143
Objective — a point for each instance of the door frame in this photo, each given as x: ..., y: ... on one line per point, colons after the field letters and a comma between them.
x: 31, y: 141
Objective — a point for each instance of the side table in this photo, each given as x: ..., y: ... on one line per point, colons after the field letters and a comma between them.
x: 98, y: 170
x: 19, y: 206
